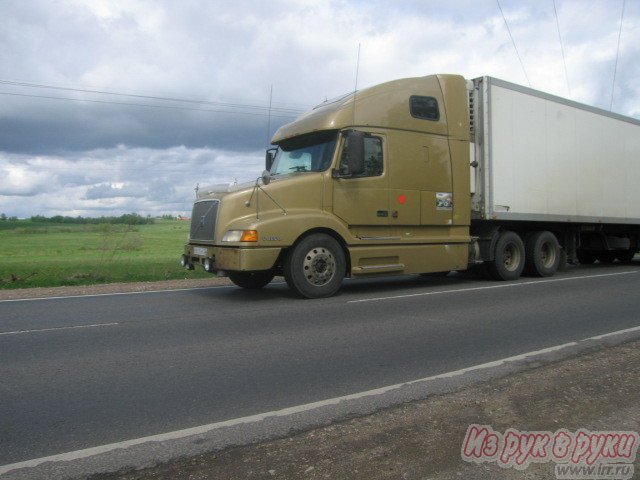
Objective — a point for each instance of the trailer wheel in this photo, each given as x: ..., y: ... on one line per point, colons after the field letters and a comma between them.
x: 251, y: 280
x: 606, y: 257
x: 509, y: 257
x: 315, y: 267
x: 586, y: 257
x: 625, y: 256
x: 542, y: 254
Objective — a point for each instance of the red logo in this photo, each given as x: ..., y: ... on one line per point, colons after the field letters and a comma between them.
x: 402, y: 199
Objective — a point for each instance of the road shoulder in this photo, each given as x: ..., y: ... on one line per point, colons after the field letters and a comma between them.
x: 422, y: 439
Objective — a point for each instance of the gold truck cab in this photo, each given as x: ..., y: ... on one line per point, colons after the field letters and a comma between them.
x: 374, y: 183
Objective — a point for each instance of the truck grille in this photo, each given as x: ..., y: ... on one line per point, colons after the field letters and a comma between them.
x: 203, y: 220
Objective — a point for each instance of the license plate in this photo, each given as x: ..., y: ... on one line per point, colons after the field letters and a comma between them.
x: 201, y: 251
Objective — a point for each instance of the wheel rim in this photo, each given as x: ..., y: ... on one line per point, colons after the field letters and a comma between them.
x: 511, y: 257
x: 547, y: 255
x: 319, y: 266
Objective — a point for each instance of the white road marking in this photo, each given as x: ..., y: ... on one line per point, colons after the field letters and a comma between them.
x: 113, y: 294
x: 487, y: 287
x: 178, y: 434
x: 52, y: 329
x: 62, y: 297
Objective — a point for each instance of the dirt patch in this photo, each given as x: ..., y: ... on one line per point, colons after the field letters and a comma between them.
x: 422, y: 440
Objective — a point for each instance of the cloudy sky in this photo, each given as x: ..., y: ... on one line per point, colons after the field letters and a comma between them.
x: 116, y: 106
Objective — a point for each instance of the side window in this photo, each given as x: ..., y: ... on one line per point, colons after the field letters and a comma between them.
x: 425, y: 108
x: 373, y: 164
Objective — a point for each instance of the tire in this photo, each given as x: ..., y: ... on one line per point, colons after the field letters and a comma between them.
x: 542, y: 254
x: 606, y: 257
x: 586, y: 257
x: 509, y: 257
x: 315, y: 267
x: 251, y: 280
x: 625, y: 256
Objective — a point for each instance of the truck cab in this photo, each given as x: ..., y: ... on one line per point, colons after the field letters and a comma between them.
x: 374, y: 183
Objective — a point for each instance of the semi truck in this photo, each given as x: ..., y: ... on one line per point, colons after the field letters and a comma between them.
x: 426, y: 175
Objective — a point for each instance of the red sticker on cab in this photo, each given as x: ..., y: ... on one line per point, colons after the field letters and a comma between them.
x: 402, y: 199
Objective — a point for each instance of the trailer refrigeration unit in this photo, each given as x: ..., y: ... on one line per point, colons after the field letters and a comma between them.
x: 423, y: 175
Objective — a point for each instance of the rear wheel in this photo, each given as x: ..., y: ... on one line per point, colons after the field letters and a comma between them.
x: 315, y: 267
x: 509, y: 257
x: 542, y: 254
x: 251, y: 280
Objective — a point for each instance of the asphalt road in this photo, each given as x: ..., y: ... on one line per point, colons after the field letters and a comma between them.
x: 83, y: 372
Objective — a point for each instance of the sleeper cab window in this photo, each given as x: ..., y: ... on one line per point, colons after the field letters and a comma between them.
x: 373, y: 163
x: 425, y: 108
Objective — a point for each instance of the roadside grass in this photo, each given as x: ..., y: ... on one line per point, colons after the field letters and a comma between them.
x: 47, y: 255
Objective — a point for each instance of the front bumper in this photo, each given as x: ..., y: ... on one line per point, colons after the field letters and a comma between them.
x: 234, y: 259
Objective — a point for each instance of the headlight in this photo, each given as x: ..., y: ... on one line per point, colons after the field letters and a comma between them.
x: 240, y: 236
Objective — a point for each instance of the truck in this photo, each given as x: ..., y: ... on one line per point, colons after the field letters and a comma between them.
x: 428, y: 175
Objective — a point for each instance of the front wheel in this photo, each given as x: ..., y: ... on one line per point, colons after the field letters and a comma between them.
x: 251, y: 280
x: 315, y: 267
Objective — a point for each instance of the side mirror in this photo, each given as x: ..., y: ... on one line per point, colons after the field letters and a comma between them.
x: 355, y: 159
x: 270, y: 155
x: 266, y: 177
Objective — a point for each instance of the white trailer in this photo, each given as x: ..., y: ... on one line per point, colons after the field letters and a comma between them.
x: 551, y: 171
x: 546, y: 158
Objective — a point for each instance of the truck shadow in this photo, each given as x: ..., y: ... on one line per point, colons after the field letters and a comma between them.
x: 389, y: 285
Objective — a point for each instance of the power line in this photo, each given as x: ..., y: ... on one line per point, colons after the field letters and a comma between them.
x: 172, y: 107
x: 514, y: 43
x: 566, y: 74
x: 615, y: 68
x: 116, y: 166
x: 149, y: 97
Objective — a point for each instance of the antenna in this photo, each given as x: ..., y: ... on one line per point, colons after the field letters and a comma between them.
x: 269, y: 116
x: 355, y: 89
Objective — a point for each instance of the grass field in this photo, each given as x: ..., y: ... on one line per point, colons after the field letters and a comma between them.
x: 45, y: 255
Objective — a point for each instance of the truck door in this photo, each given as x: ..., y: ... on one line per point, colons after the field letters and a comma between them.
x: 420, y: 181
x: 364, y: 199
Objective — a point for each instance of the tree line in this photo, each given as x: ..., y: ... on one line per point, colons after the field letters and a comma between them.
x: 126, y: 219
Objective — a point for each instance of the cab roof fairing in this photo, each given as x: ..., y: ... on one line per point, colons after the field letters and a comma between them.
x: 383, y: 106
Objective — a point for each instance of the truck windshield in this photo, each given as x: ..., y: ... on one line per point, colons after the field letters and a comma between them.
x: 309, y: 153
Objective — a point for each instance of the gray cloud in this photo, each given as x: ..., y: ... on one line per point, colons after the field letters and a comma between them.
x: 112, y: 181
x: 113, y: 191
x: 83, y: 157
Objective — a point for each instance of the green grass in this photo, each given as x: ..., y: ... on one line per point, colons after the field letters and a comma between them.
x: 46, y: 255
